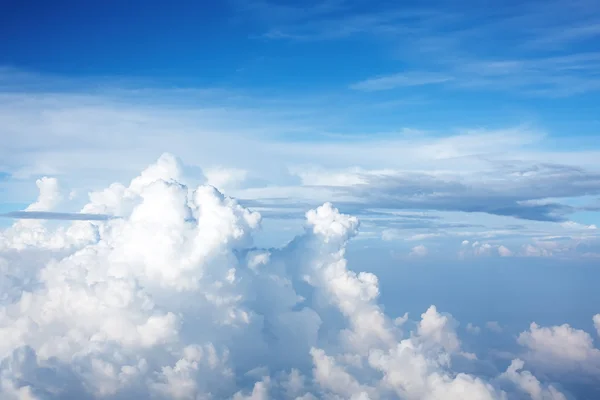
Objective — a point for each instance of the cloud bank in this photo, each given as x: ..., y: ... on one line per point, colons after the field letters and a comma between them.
x: 174, y: 301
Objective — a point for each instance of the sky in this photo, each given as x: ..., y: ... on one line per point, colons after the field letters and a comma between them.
x: 223, y: 181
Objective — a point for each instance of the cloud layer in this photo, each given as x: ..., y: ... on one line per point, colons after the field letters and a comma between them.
x: 174, y: 301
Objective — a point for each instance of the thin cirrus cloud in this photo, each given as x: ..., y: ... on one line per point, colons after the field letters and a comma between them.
x: 56, y: 216
x: 556, y: 20
x: 447, y: 39
x: 399, y: 80
x: 557, y: 76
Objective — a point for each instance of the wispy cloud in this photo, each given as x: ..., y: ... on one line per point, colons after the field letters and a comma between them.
x: 442, y: 44
x: 574, y: 33
x: 49, y: 215
x: 548, y: 76
x: 399, y: 80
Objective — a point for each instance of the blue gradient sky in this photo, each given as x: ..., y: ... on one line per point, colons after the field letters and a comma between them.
x: 470, y: 62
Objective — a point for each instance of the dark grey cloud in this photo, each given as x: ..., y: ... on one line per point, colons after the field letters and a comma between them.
x: 511, y: 188
x: 519, y: 193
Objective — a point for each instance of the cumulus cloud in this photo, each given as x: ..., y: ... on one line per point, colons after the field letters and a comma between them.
x: 224, y: 178
x: 530, y: 250
x: 529, y: 384
x: 173, y: 300
x: 474, y: 329
x: 504, y: 251
x: 561, y: 349
x: 419, y: 251
x: 49, y: 195
x: 468, y: 249
x: 493, y: 326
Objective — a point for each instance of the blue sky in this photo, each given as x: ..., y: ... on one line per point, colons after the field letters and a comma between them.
x: 463, y: 135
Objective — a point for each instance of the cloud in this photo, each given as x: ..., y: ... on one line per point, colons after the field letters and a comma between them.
x: 453, y: 176
x: 224, y: 178
x: 419, y: 251
x: 530, y: 250
x: 399, y: 80
x: 473, y: 329
x: 516, y: 199
x: 560, y: 350
x: 530, y: 384
x: 433, y: 41
x: 49, y: 195
x: 521, y: 190
x: 504, y: 251
x: 173, y: 300
x: 56, y: 215
x: 494, y: 326
x: 468, y: 249
x: 498, y: 172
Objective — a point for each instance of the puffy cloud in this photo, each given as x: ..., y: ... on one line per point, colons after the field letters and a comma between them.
x: 31, y: 233
x: 530, y: 250
x: 224, y: 178
x: 389, y: 235
x: 474, y: 329
x: 493, y: 326
x: 174, y: 301
x: 561, y: 349
x: 483, y: 249
x: 419, y: 251
x: 529, y: 384
x: 504, y: 252
x: 49, y: 195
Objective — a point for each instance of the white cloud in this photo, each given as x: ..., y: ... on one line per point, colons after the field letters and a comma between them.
x: 477, y: 248
x: 430, y: 171
x: 577, y: 226
x: 504, y: 251
x: 225, y: 178
x: 473, y: 329
x: 318, y: 177
x: 560, y: 349
x: 423, y: 236
x: 49, y: 195
x: 440, y: 329
x: 172, y: 300
x: 494, y: 326
x: 530, y: 250
x: 399, y: 80
x: 529, y: 384
x: 389, y: 235
x: 419, y: 251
